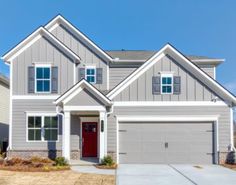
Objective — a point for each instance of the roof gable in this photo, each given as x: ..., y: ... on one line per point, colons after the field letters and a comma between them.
x: 90, y: 91
x: 32, y: 38
x: 60, y: 20
x: 186, y: 64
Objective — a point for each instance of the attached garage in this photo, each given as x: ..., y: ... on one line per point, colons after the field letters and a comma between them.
x: 166, y: 143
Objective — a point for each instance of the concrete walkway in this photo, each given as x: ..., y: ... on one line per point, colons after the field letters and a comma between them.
x: 92, y: 169
x: 128, y: 174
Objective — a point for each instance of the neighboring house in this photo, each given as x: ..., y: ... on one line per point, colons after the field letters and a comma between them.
x: 71, y: 98
x: 4, y: 108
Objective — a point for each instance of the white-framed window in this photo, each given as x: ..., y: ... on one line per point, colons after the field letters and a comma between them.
x: 43, y: 79
x: 166, y: 84
x: 90, y: 74
x: 42, y: 128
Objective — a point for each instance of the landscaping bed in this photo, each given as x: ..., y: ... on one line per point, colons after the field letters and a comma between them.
x: 230, y: 166
x: 34, y: 164
x: 101, y: 166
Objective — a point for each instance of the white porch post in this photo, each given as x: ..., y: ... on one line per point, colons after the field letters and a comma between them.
x: 102, y: 139
x: 66, y: 136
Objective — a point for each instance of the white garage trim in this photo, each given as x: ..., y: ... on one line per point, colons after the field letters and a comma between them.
x: 171, y: 118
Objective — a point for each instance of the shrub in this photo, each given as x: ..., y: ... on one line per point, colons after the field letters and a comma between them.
x: 61, y: 161
x: 108, y: 161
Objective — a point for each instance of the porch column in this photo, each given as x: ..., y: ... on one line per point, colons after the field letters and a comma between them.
x: 102, y: 134
x: 66, y: 136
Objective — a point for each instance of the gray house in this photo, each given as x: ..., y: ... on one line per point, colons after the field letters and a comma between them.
x: 71, y: 98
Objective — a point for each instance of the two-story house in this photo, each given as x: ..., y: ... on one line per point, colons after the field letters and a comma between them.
x: 71, y: 98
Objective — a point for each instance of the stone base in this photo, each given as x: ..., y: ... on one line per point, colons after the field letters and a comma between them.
x: 52, y: 154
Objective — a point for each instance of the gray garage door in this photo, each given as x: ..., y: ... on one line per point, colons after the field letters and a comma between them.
x: 166, y: 143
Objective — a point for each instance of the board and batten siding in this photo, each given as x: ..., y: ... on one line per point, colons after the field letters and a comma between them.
x: 141, y: 89
x: 42, y: 52
x: 88, y: 57
x: 222, y: 111
x: 19, y: 126
x: 118, y: 74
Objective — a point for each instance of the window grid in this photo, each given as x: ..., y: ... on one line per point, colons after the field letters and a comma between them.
x: 167, y: 84
x: 91, y: 74
x: 43, y: 79
x: 42, y: 129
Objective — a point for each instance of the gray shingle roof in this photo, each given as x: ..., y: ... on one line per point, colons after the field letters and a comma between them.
x: 142, y: 55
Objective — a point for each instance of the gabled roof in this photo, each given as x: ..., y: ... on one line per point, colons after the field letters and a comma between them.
x: 184, y: 62
x: 60, y: 20
x: 32, y: 38
x: 75, y: 89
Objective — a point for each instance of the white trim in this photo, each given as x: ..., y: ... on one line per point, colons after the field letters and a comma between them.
x: 84, y: 108
x: 168, y: 49
x: 35, y: 36
x: 35, y: 97
x: 66, y: 136
x: 108, y: 77
x: 167, y: 75
x: 60, y: 20
x: 95, y: 73
x: 76, y: 89
x: 42, y: 115
x: 10, y: 106
x: 168, y: 103
x: 53, y: 27
x: 171, y: 118
x: 35, y: 77
x: 207, y: 60
x: 102, y: 116
x: 231, y: 128
x: 17, y: 48
x: 135, y: 74
x: 214, y: 69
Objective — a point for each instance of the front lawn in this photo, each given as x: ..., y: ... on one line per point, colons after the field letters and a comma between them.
x: 54, y: 178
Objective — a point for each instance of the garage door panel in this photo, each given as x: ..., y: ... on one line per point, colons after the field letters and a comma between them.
x: 146, y: 142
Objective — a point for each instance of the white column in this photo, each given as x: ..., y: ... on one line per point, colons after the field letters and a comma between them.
x: 102, y: 150
x: 66, y: 136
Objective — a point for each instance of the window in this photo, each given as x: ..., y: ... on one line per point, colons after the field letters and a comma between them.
x: 166, y: 84
x: 43, y: 79
x: 42, y: 128
x: 91, y: 74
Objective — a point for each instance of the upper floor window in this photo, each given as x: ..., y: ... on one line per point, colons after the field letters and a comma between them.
x: 43, y: 76
x: 167, y: 84
x: 90, y: 74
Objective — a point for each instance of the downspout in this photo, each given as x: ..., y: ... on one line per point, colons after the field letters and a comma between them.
x: 62, y: 115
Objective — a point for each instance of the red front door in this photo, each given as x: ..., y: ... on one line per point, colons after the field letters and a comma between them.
x: 89, y: 141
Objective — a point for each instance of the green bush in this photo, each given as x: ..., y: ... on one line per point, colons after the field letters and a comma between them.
x: 61, y: 161
x: 108, y: 161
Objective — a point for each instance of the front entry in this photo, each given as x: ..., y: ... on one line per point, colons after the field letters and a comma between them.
x: 89, y: 139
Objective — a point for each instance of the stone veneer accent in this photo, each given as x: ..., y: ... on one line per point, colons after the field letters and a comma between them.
x: 52, y: 154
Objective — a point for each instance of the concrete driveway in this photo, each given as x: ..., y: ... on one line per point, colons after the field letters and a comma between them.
x: 145, y: 174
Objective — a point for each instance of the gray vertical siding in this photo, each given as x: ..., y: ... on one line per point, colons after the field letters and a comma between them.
x: 118, y: 74
x: 88, y: 57
x: 222, y: 111
x: 141, y: 89
x: 42, y: 52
